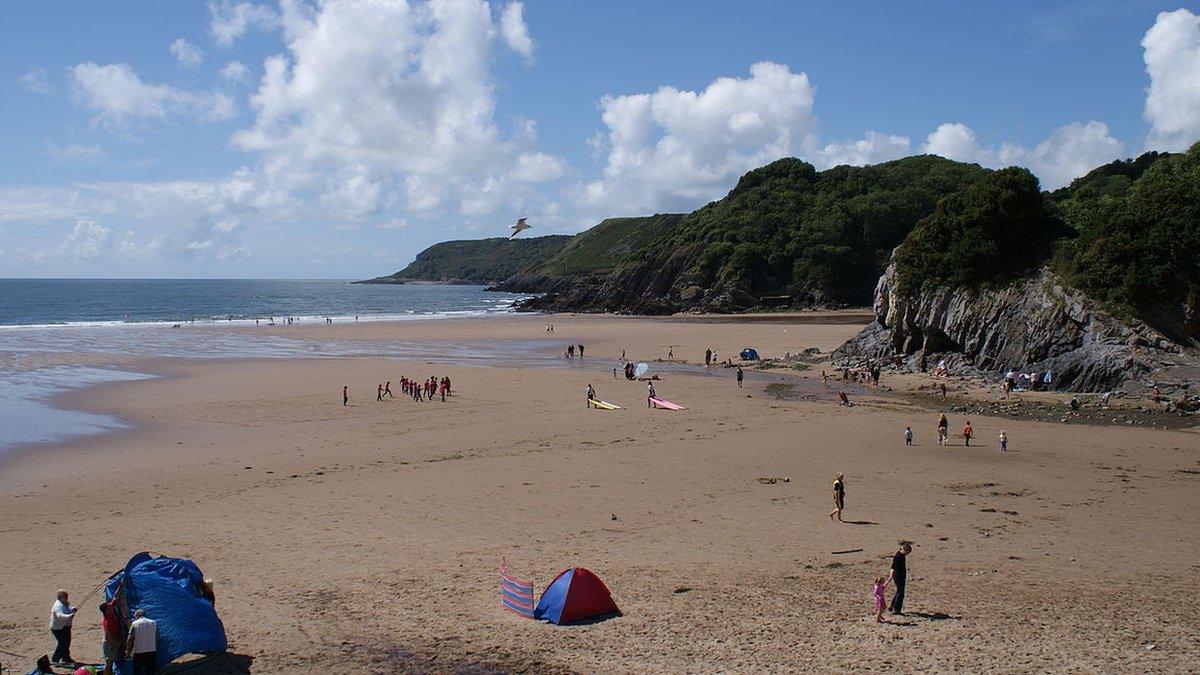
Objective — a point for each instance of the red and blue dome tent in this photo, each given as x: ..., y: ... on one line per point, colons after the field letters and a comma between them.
x: 168, y: 590
x: 576, y: 594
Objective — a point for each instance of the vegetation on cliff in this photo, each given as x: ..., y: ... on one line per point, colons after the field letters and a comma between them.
x: 477, y: 261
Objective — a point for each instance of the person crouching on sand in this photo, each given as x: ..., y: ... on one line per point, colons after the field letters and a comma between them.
x: 839, y: 497
x: 878, y: 592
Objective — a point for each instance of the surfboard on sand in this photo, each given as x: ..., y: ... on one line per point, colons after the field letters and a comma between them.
x: 663, y: 403
x: 605, y: 405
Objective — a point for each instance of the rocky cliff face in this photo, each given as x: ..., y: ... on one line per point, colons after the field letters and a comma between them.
x: 1032, y: 325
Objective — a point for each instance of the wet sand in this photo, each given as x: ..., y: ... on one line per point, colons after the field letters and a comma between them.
x: 367, y: 538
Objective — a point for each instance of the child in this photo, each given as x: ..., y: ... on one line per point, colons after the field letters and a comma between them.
x: 1003, y: 441
x: 908, y: 435
x: 878, y: 593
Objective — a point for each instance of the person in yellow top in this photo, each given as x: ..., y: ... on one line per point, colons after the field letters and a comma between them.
x: 839, y: 497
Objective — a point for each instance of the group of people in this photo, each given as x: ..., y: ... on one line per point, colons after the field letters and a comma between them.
x: 899, y: 570
x: 419, y: 391
x: 968, y: 432
x: 1014, y: 381
x: 137, y: 641
x: 572, y: 349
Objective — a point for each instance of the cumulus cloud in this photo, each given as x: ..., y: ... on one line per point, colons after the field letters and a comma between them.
x: 88, y: 240
x: 234, y: 71
x: 512, y: 27
x: 119, y: 96
x: 188, y: 54
x: 35, y: 81
x: 397, y: 91
x: 674, y: 148
x: 1069, y: 152
x: 1172, y: 55
x: 872, y: 149
x: 228, y: 20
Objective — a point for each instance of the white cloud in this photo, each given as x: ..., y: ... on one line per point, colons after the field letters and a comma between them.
x: 1172, y: 55
x: 872, y: 149
x: 512, y: 27
x: 1069, y: 152
x: 234, y: 71
x: 673, y: 149
x: 393, y: 224
x: 537, y: 167
x: 73, y: 151
x: 230, y: 20
x: 35, y: 81
x: 119, y: 96
x: 87, y: 241
x: 188, y: 54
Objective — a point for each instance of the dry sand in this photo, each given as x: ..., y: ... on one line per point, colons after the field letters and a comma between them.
x: 367, y: 538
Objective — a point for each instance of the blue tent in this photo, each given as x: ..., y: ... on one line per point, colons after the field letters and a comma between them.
x: 168, y: 591
x: 749, y: 354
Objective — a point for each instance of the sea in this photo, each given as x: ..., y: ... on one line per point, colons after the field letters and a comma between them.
x: 61, y: 335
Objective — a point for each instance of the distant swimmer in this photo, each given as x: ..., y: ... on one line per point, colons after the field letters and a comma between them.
x: 839, y: 497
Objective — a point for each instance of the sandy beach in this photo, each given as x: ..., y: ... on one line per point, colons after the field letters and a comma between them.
x: 367, y: 538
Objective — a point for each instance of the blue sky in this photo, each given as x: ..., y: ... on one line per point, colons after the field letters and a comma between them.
x: 338, y: 139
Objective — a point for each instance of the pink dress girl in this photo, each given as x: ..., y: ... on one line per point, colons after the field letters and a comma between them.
x: 880, y: 602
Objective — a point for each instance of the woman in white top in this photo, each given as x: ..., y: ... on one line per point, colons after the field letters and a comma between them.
x: 61, y: 616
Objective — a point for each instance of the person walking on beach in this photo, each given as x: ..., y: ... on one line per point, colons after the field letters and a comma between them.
x: 670, y: 353
x: 1003, y: 441
x: 967, y: 433
x: 839, y: 497
x: 943, y: 429
x: 943, y: 391
x: 591, y: 395
x: 62, y: 615
x: 740, y: 375
x: 707, y: 357
x: 581, y: 351
x: 908, y: 435
x: 143, y: 644
x: 878, y: 592
x: 345, y: 395
x: 379, y: 392
x: 387, y: 390
x: 899, y: 575
x: 650, y: 395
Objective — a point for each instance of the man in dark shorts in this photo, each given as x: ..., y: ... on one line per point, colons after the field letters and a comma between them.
x: 740, y: 375
x: 839, y: 497
x: 898, y: 575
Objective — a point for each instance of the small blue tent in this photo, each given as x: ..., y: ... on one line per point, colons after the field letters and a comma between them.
x: 749, y: 354
x: 168, y: 591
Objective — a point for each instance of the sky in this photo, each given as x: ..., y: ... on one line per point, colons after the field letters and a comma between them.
x: 337, y: 139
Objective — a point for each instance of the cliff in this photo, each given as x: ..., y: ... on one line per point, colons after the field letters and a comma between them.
x: 476, y: 261
x: 1031, y: 325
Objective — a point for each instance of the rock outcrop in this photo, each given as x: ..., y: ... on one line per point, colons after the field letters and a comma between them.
x: 1035, y: 324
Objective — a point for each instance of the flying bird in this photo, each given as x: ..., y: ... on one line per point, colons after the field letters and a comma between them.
x: 516, y: 229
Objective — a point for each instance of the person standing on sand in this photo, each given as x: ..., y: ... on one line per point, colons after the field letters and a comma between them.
x: 62, y: 615
x: 591, y: 395
x: 650, y: 395
x: 142, y: 644
x: 824, y: 379
x: 967, y: 433
x: 899, y: 575
x: 839, y: 497
x: 113, y: 647
x: 1003, y: 441
x: 740, y: 375
x: 879, y: 593
x: 707, y: 357
x: 943, y: 429
x: 670, y: 353
x: 345, y: 395
x: 581, y: 351
x: 908, y: 435
x: 943, y: 391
